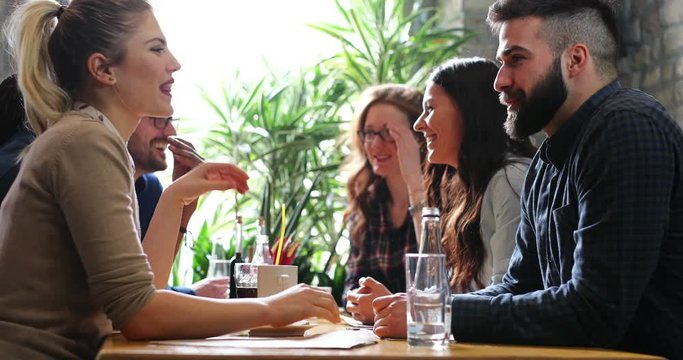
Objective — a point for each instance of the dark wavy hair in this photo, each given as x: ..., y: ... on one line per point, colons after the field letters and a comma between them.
x: 365, y: 188
x: 485, y: 149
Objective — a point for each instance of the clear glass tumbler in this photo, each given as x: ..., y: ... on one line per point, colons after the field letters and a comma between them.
x: 427, y: 295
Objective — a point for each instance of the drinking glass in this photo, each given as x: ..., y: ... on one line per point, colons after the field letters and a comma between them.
x: 427, y: 295
x: 218, y: 268
x: 246, y: 275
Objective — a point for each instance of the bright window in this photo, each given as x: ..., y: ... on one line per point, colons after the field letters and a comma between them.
x: 213, y: 39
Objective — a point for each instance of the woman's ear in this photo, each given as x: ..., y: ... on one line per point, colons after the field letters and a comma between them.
x: 100, y: 70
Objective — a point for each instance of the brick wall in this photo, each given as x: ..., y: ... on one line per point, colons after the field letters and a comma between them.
x: 652, y: 44
x: 471, y: 14
x: 6, y: 8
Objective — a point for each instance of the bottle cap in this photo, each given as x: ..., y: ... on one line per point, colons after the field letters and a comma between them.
x: 430, y: 211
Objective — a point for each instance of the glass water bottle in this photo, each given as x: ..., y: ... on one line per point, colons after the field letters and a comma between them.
x: 262, y: 253
x: 430, y: 239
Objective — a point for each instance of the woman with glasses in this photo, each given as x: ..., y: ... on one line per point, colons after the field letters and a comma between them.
x: 380, y: 226
x: 474, y: 176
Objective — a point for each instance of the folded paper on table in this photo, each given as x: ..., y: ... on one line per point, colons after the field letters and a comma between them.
x: 354, y: 323
x: 296, y: 329
x: 340, y: 339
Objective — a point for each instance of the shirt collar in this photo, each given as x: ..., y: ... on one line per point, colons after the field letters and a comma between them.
x: 96, y: 114
x: 555, y: 149
x: 92, y: 112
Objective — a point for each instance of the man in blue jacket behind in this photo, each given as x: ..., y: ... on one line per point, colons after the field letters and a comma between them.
x: 147, y: 147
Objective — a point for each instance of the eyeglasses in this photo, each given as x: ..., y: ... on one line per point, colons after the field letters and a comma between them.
x: 369, y: 135
x: 162, y: 123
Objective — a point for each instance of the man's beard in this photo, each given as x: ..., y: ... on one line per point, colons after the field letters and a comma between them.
x: 150, y: 164
x: 535, y: 111
x: 149, y: 160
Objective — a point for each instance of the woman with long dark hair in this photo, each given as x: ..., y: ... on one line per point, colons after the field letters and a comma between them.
x: 475, y: 171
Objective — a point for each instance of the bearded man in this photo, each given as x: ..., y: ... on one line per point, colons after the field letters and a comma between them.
x: 147, y: 147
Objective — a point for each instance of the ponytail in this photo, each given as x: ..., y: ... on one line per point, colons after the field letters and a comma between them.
x: 52, y: 45
x: 31, y: 27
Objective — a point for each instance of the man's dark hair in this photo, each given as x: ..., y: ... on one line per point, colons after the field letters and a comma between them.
x: 566, y: 22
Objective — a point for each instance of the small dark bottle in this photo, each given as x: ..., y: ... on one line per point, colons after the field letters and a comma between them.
x: 237, y: 258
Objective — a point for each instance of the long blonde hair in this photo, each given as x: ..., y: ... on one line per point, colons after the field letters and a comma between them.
x: 51, y: 46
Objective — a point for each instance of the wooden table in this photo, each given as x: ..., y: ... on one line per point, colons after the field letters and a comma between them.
x: 117, y: 347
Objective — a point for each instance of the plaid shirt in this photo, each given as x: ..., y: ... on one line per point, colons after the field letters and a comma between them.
x: 599, y: 256
x: 382, y: 252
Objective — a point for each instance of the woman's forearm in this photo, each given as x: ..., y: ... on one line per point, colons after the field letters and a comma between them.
x: 170, y: 315
x: 161, y: 238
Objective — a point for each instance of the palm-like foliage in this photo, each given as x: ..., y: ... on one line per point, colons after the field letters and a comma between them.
x: 383, y: 42
x: 284, y: 130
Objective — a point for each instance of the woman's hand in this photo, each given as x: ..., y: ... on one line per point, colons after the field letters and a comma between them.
x: 206, y: 177
x: 359, y: 301
x: 408, y: 150
x: 162, y: 239
x: 300, y: 302
x: 390, y: 316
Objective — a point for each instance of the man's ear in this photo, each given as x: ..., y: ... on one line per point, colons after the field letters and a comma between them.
x: 578, y: 57
x: 100, y: 69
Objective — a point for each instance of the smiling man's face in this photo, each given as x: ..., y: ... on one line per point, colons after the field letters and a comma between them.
x: 147, y: 145
x: 530, y: 79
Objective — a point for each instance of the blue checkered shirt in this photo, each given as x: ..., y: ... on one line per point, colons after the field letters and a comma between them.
x: 599, y: 255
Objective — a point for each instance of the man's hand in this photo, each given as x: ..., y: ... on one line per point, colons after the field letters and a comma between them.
x: 359, y: 301
x: 390, y: 316
x: 185, y: 158
x: 212, y: 288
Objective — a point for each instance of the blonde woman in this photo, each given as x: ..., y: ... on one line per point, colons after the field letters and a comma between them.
x: 71, y: 263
